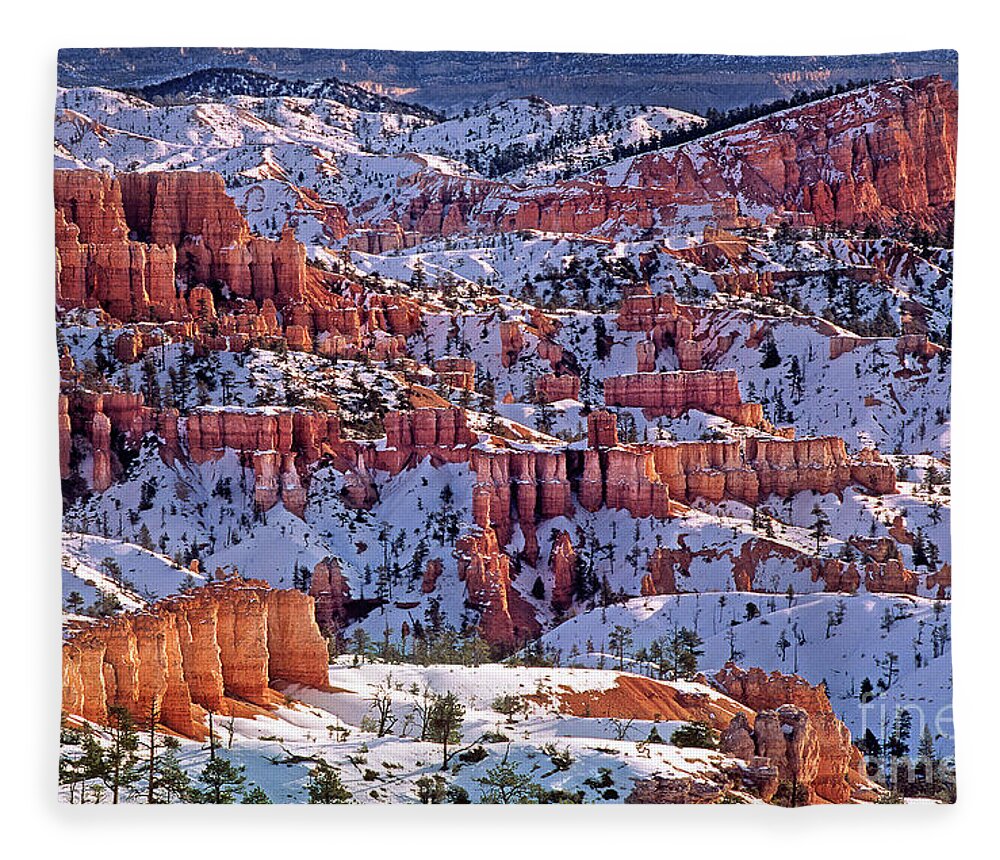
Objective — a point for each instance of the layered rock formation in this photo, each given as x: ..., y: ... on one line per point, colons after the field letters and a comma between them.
x: 185, y: 225
x: 661, y: 578
x: 673, y: 394
x: 668, y: 324
x: 96, y: 418
x: 552, y: 387
x: 883, y: 154
x: 456, y: 372
x: 329, y: 588
x: 506, y: 620
x: 194, y: 653
x: 522, y: 486
x: 623, y: 479
x: 796, y: 730
x: 746, y: 471
x: 279, y: 442
x: 562, y: 564
x: 441, y: 433
x: 602, y: 429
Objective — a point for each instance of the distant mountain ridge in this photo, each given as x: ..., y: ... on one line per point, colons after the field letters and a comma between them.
x: 450, y: 81
x: 211, y: 84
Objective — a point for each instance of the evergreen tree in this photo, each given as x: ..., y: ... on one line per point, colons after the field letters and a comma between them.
x: 171, y: 780
x: 770, y: 357
x: 444, y: 723
x: 695, y: 734
x: 681, y: 652
x: 121, y: 765
x: 505, y: 783
x: 222, y: 781
x: 325, y: 786
x: 820, y: 526
x: 255, y: 794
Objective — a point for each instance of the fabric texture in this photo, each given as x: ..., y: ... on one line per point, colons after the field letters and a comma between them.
x: 505, y: 428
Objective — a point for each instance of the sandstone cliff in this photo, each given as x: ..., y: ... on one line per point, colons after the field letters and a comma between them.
x: 507, y: 620
x: 194, y: 652
x: 883, y: 155
x: 673, y: 394
x: 796, y: 729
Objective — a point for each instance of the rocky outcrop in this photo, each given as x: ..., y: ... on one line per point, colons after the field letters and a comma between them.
x: 796, y: 730
x: 398, y: 315
x: 673, y: 394
x: 562, y: 565
x: 511, y: 342
x: 623, y: 478
x: 745, y: 471
x: 749, y: 282
x: 329, y: 588
x: 99, y: 420
x: 65, y: 437
x: 192, y: 653
x: 184, y: 226
x: 432, y: 573
x: 941, y: 580
x: 631, y: 483
x: 708, y: 470
x: 387, y: 236
x: 661, y: 578
x: 193, y: 213
x: 602, y: 429
x: 668, y: 324
x: 890, y: 577
x: 869, y: 470
x: 883, y: 154
x: 522, y: 486
x: 552, y: 387
x: 441, y: 433
x: 456, y: 372
x: 279, y: 443
x: 506, y: 619
x: 676, y: 789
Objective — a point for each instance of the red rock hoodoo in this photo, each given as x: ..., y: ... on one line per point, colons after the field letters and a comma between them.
x: 796, y: 729
x: 194, y: 652
x: 716, y: 392
x: 837, y: 161
x: 562, y: 564
x: 507, y: 620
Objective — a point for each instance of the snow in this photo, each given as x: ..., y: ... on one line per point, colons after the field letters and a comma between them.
x: 270, y: 150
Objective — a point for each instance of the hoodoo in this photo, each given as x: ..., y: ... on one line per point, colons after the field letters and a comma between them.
x: 200, y: 651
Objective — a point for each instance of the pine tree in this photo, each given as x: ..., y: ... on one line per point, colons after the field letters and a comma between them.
x: 444, y: 723
x: 820, y: 527
x: 867, y: 691
x: 325, y: 786
x: 171, y: 779
x: 620, y: 640
x: 222, y: 780
x: 771, y: 358
x: 505, y: 783
x: 121, y: 770
x: 695, y: 734
x: 681, y: 652
x: 255, y: 794
x: 926, y: 759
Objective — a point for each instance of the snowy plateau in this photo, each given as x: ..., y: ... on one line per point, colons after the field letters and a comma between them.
x: 606, y: 446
